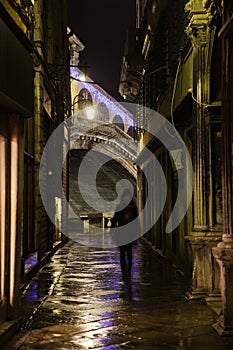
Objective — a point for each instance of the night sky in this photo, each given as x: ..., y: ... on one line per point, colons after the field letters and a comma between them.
x: 101, y: 26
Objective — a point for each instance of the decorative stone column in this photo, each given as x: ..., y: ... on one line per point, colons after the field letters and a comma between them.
x: 205, y: 276
x: 224, y: 256
x: 199, y: 35
x: 223, y: 253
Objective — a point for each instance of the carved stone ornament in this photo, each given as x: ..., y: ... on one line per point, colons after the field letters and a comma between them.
x: 203, y: 15
x: 198, y: 33
x: 214, y: 10
x: 188, y: 6
x: 213, y: 7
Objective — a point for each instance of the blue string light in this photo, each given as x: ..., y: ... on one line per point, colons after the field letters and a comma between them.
x: 101, y: 95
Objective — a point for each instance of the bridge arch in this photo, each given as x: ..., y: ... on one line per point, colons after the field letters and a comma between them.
x: 102, y: 112
x: 117, y: 120
x: 117, y: 143
x: 131, y: 131
x: 84, y: 99
x: 110, y: 172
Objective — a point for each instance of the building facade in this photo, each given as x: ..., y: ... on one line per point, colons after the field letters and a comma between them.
x: 16, y: 105
x: 34, y: 99
x: 172, y: 64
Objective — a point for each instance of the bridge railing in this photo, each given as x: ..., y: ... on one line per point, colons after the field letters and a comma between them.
x: 109, y: 134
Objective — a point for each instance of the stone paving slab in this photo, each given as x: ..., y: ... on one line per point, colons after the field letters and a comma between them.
x: 80, y: 300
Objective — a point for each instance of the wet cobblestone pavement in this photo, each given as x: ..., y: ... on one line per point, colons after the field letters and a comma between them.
x: 80, y: 301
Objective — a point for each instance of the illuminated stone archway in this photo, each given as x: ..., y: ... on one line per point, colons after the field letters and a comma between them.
x: 105, y: 107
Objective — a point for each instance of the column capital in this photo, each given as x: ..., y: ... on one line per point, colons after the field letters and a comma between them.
x: 197, y: 29
x: 224, y: 252
x: 214, y: 10
x: 211, y: 7
x: 203, y: 14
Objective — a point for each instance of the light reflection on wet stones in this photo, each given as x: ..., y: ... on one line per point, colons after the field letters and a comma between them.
x: 91, y: 307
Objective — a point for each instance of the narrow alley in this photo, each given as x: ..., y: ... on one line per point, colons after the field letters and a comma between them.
x: 80, y: 301
x: 116, y: 125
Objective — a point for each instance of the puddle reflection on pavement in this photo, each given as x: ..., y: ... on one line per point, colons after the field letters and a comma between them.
x: 81, y: 300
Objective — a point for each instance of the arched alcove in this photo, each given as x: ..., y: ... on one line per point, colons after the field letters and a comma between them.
x: 102, y: 112
x: 118, y: 121
x: 131, y: 131
x: 82, y: 100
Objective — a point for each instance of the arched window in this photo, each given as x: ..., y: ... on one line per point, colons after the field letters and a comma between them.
x: 118, y: 121
x: 131, y: 131
x: 102, y: 112
x: 84, y: 99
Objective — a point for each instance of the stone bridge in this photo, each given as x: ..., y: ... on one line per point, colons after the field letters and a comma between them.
x: 104, y: 138
x: 115, y: 153
x: 96, y: 103
x: 103, y: 127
